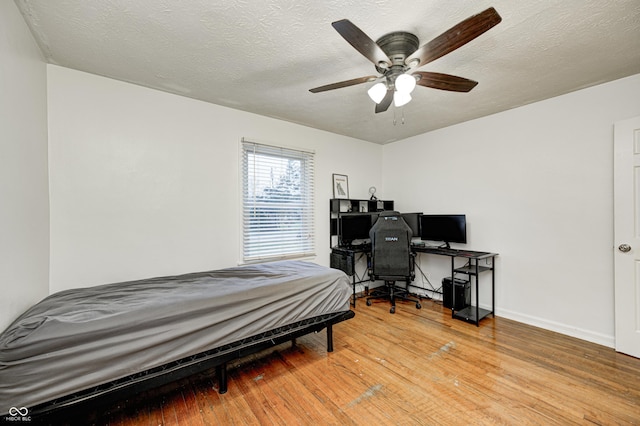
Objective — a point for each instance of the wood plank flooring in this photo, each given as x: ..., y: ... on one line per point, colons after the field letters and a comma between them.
x: 415, y: 367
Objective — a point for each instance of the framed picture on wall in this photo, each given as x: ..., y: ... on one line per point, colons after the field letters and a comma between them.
x: 340, y: 186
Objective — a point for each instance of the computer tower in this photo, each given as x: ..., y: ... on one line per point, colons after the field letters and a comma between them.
x: 462, y: 291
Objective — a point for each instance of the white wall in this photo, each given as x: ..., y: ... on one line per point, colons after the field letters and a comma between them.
x: 24, y: 198
x: 145, y: 183
x: 536, y: 184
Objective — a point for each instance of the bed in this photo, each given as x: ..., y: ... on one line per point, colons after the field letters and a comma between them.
x: 107, y: 340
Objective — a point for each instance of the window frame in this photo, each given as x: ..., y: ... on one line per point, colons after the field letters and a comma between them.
x: 270, y: 241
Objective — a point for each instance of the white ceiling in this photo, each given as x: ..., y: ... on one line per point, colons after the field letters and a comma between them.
x: 264, y: 56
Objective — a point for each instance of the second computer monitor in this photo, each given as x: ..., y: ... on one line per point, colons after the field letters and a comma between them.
x: 449, y: 228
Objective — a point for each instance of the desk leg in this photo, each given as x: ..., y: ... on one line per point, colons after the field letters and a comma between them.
x: 353, y: 285
x: 453, y: 288
x: 477, y: 295
x: 353, y: 278
x: 493, y: 287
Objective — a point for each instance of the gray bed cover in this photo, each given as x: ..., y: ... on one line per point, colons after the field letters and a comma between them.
x: 79, y: 338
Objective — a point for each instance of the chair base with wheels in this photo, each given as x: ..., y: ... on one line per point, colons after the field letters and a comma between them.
x: 392, y: 292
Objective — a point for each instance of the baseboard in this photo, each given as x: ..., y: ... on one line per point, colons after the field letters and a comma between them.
x: 589, y: 336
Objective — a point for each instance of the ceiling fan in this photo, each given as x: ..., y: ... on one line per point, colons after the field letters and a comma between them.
x: 397, y: 55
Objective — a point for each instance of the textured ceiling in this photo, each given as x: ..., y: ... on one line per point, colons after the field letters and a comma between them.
x: 264, y: 56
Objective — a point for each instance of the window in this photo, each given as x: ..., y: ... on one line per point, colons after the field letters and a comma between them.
x: 277, y: 202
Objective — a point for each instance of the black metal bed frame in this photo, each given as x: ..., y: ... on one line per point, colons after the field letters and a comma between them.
x: 215, y: 358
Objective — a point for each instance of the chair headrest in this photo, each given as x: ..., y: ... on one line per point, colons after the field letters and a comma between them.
x: 388, y: 213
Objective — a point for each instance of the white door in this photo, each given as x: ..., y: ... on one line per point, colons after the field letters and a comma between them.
x: 627, y: 235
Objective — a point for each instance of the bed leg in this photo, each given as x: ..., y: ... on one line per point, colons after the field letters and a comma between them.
x: 221, y: 372
x: 330, y: 338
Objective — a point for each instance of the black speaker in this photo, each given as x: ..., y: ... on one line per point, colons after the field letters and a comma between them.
x: 462, y: 290
x: 342, y: 261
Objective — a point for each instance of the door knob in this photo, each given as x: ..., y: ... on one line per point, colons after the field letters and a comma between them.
x: 624, y: 248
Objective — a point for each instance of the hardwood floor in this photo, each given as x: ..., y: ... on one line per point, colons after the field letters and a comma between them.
x: 413, y: 367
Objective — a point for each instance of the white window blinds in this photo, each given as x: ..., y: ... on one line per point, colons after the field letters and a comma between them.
x: 277, y: 202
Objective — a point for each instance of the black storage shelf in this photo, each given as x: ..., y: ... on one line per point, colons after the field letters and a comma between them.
x: 474, y: 313
x: 356, y: 205
x: 471, y: 270
x: 469, y: 314
x: 345, y: 206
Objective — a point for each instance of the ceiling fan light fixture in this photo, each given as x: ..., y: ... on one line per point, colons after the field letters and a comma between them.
x: 377, y: 92
x: 396, y: 54
x: 405, y: 83
x: 401, y: 98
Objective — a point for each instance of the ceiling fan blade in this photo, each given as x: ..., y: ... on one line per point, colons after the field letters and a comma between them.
x: 386, y: 102
x: 453, y: 38
x: 362, y: 42
x: 436, y: 80
x: 342, y: 84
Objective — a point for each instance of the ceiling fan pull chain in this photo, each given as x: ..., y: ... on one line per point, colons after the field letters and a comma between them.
x: 395, y: 121
x: 403, y: 116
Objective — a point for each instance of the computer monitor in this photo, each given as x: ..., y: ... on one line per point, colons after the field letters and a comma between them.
x: 449, y: 228
x: 354, y: 227
x: 413, y: 220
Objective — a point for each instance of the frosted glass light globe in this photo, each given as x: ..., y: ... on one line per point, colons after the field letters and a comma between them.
x: 401, y: 98
x: 405, y: 83
x: 377, y: 92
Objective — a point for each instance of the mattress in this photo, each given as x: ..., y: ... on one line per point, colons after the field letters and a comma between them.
x: 79, y: 338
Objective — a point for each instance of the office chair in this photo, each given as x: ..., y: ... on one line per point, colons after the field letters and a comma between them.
x: 391, y: 258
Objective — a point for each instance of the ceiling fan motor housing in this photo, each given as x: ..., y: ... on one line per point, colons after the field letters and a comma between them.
x: 398, y: 46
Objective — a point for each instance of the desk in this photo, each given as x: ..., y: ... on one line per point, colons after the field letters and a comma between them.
x: 344, y: 258
x: 472, y: 314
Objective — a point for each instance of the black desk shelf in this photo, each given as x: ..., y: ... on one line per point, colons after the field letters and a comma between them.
x: 474, y: 313
x: 471, y: 270
x: 469, y: 314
